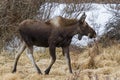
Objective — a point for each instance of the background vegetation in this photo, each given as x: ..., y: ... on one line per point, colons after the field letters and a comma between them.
x: 12, y: 12
x: 101, y: 61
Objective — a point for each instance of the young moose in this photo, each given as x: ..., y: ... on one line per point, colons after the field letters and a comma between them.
x: 56, y: 32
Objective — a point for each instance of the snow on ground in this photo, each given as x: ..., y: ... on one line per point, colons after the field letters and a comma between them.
x: 99, y: 14
x: 96, y: 18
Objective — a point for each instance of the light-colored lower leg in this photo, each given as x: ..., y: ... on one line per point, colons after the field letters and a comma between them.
x: 31, y: 57
x: 18, y: 56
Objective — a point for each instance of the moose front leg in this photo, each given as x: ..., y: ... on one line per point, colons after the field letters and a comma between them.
x: 65, y: 51
x: 53, y: 58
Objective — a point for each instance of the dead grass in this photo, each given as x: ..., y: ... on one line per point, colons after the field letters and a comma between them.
x: 10, y: 76
x: 94, y: 63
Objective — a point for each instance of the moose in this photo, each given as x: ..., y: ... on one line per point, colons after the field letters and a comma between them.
x: 56, y: 32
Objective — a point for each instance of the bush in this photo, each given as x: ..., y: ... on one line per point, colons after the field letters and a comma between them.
x: 112, y: 27
x: 13, y: 12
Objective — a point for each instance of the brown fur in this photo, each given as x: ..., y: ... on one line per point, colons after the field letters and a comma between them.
x: 52, y: 35
x: 59, y: 21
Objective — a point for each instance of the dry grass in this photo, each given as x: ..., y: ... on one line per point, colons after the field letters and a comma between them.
x: 94, y: 63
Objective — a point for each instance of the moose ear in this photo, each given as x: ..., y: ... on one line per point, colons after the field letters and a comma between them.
x: 83, y: 17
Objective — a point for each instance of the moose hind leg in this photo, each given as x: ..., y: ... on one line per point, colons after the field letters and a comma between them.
x: 31, y: 57
x: 53, y: 59
x: 18, y: 56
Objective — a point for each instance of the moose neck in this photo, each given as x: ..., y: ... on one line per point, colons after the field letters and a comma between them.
x: 71, y: 30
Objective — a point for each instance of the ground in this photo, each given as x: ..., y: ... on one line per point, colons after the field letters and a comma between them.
x: 95, y: 63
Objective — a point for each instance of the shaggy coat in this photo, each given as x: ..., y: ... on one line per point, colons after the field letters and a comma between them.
x: 56, y: 32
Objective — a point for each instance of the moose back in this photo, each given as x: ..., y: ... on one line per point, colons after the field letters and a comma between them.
x: 56, y: 32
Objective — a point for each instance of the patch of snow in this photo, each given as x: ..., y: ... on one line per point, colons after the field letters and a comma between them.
x: 97, y: 17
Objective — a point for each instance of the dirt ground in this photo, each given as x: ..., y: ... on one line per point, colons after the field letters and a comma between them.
x: 94, y: 63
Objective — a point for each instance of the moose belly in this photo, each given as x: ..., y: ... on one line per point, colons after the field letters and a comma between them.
x: 63, y: 42
x: 40, y: 41
x: 36, y: 40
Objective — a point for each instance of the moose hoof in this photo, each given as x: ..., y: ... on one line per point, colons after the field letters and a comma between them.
x: 46, y: 72
x: 14, y: 70
x: 39, y: 72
